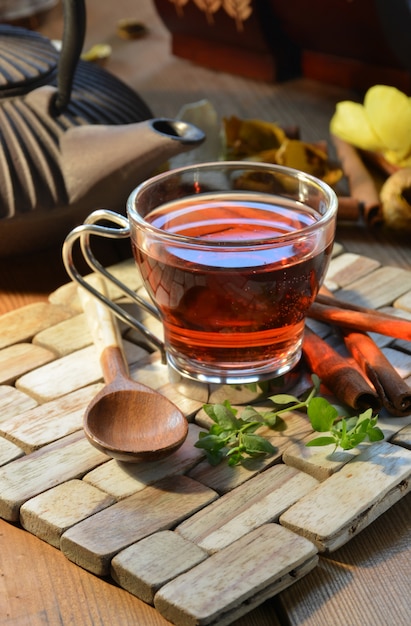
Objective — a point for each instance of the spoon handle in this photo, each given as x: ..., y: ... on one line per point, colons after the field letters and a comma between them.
x: 104, y: 331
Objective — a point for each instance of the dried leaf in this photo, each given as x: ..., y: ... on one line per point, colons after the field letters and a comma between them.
x: 131, y: 29
x: 257, y: 140
x: 307, y: 158
x: 179, y: 4
x: 208, y: 7
x: 99, y: 52
x: 239, y: 10
x: 246, y: 138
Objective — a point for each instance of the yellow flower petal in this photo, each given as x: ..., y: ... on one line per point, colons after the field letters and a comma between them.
x: 389, y: 113
x: 350, y: 123
x: 394, y: 158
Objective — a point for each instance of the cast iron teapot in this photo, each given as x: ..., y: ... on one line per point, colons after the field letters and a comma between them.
x: 72, y: 136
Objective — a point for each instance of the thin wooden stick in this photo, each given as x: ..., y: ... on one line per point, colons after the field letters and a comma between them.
x: 333, y: 311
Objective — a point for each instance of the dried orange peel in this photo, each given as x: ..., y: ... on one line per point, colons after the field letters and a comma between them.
x: 396, y: 200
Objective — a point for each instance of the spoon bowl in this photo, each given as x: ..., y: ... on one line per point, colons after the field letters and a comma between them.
x: 126, y: 420
x: 132, y: 423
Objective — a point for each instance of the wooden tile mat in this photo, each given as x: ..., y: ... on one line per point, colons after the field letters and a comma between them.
x: 203, y: 544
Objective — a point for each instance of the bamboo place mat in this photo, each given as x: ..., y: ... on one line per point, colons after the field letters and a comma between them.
x: 203, y: 544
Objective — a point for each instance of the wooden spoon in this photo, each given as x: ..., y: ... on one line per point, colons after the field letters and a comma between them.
x: 126, y: 420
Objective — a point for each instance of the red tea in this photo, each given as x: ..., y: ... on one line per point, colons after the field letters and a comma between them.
x: 233, y: 296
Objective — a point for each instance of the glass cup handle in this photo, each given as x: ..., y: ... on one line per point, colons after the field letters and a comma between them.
x: 82, y: 234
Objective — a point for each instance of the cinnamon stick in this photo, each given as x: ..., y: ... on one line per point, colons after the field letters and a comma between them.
x: 343, y: 378
x: 393, y: 391
x: 325, y: 296
x: 350, y: 209
x: 333, y: 311
x: 361, y: 184
x: 377, y: 160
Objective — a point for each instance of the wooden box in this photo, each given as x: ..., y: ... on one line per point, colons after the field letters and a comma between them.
x: 340, y: 42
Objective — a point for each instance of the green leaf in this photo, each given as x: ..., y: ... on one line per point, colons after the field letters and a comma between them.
x: 347, y: 424
x: 249, y: 413
x: 363, y: 426
x: 375, y: 434
x: 365, y: 416
x: 321, y: 441
x: 209, y: 442
x: 316, y: 382
x: 255, y: 443
x: 270, y: 418
x: 223, y: 415
x: 215, y: 429
x: 348, y: 443
x: 214, y: 457
x: 235, y: 459
x: 210, y: 408
x: 284, y: 398
x: 321, y: 414
x: 251, y: 427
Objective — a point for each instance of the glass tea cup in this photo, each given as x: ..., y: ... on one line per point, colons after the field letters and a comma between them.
x: 232, y: 254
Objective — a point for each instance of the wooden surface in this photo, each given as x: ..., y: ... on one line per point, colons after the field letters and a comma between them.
x: 365, y: 582
x: 261, y: 526
x: 275, y: 517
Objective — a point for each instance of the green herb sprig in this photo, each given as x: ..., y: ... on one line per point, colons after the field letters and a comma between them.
x: 235, y: 438
x: 346, y: 433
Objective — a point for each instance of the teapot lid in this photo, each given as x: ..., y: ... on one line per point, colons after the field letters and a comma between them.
x: 27, y: 60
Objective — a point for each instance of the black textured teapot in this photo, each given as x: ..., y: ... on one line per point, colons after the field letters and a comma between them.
x: 72, y: 136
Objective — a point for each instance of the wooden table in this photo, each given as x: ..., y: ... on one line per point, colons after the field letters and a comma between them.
x: 367, y: 581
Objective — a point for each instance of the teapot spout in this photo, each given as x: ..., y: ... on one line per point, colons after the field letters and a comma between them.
x: 188, y: 134
x: 103, y: 164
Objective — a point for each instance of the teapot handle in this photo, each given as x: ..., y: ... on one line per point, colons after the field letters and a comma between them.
x: 74, y: 13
